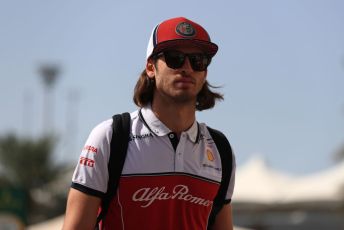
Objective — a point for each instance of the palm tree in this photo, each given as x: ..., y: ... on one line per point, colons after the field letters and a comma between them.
x: 28, y: 165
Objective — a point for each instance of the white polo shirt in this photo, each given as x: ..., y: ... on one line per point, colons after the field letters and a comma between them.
x: 166, y: 183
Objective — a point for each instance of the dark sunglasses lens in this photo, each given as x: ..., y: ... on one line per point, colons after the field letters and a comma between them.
x: 199, y: 62
x: 174, y: 59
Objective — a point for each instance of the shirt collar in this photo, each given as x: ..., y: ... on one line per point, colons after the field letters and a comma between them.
x: 160, y: 129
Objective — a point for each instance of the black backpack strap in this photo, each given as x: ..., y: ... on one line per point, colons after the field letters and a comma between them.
x: 225, y: 151
x: 118, y: 152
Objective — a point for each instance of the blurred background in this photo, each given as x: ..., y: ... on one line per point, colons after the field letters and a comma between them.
x: 65, y: 66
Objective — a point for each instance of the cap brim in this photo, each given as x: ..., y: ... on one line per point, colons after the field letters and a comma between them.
x: 208, y: 47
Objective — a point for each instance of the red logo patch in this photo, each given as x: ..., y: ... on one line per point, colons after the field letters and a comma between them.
x: 90, y: 148
x: 86, y: 161
x: 185, y: 29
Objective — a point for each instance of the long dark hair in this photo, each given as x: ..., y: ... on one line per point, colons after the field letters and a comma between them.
x: 144, y: 91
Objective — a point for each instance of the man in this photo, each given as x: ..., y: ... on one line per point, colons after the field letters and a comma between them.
x: 172, y: 169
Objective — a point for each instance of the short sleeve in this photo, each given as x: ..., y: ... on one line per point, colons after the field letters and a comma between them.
x: 91, y: 173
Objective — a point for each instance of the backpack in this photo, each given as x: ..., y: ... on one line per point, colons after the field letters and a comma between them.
x: 118, y: 151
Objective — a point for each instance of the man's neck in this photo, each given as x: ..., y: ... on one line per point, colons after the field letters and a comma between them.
x: 177, y: 117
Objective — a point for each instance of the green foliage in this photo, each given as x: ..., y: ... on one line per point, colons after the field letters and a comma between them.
x: 27, y: 163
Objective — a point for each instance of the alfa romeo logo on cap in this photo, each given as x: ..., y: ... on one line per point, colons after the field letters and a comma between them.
x: 185, y: 29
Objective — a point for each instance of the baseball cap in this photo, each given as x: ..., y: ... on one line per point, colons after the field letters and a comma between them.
x: 176, y: 31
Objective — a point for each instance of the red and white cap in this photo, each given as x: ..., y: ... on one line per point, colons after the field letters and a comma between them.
x: 177, y: 31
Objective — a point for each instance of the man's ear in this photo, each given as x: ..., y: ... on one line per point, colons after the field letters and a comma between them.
x: 150, y: 68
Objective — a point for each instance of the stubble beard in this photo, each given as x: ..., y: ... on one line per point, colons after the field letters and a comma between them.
x: 178, y: 98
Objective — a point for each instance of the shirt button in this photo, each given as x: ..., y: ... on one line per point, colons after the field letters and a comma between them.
x: 171, y: 135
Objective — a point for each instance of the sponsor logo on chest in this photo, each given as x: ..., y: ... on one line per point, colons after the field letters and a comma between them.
x: 147, y: 196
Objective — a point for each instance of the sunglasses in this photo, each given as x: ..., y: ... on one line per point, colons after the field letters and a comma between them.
x: 176, y: 59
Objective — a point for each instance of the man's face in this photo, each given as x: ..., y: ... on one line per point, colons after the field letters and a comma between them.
x: 181, y: 85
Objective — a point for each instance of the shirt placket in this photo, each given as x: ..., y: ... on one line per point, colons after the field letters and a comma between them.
x: 180, y: 150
